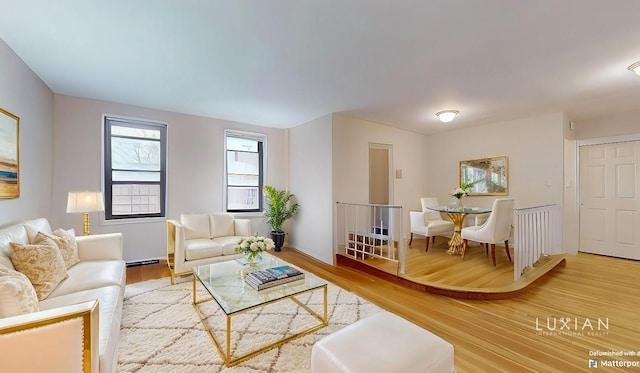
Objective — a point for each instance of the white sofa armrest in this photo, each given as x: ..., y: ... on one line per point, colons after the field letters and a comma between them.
x: 100, y: 247
x: 242, y: 227
x: 65, y: 339
x: 175, y: 248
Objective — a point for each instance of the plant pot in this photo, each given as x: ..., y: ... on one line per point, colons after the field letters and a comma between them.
x: 278, y: 240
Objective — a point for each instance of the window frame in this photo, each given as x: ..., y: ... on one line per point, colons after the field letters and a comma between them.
x: 107, y: 174
x: 262, y: 159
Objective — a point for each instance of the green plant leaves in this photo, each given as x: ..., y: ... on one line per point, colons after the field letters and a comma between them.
x: 278, y: 207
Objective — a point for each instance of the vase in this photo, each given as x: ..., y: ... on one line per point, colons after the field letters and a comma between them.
x: 253, y: 258
x: 455, y: 203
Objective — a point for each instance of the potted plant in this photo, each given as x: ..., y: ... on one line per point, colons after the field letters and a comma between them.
x: 278, y: 208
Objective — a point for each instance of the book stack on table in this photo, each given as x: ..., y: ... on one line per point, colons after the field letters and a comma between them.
x: 271, y: 277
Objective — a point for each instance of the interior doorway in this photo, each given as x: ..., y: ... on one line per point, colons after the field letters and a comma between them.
x: 380, y: 187
x: 610, y: 199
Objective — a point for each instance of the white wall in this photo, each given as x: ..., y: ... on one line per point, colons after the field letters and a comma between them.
x: 618, y: 124
x: 534, y: 147
x: 23, y: 94
x: 351, y: 138
x: 310, y: 178
x: 195, y: 167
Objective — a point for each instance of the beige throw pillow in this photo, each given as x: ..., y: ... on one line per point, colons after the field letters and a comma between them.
x: 17, y: 295
x: 66, y: 242
x: 42, y: 263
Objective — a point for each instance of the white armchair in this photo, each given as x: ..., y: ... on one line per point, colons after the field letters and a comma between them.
x: 199, y: 239
x: 429, y: 223
x: 496, y: 229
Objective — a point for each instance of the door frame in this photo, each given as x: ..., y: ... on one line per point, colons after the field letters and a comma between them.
x: 389, y: 148
x: 587, y: 142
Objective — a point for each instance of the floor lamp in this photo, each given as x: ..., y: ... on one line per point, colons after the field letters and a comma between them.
x: 85, y: 202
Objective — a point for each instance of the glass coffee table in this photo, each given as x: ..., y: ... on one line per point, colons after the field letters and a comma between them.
x: 224, y: 281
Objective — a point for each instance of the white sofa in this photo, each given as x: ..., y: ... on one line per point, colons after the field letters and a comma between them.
x: 199, y: 239
x: 77, y: 326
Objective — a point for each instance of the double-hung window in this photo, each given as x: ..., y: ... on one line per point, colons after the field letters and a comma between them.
x: 244, y: 171
x: 135, y: 173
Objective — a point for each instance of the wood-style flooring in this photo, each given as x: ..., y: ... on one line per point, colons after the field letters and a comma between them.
x: 553, y: 327
x: 436, y: 271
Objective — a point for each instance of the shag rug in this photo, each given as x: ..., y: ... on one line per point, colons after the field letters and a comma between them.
x: 161, y: 332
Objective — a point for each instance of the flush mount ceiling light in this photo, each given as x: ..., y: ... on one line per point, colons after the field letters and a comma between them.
x: 447, y: 116
x: 635, y: 67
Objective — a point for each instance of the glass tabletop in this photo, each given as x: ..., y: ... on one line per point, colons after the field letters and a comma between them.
x: 225, y: 282
x: 464, y: 210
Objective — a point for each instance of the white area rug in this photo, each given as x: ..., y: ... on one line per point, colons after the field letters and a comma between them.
x: 161, y: 331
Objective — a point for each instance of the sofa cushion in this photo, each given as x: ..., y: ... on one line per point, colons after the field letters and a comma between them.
x: 221, y: 225
x: 92, y: 275
x: 228, y: 244
x: 17, y: 295
x: 110, y: 317
x: 16, y: 234
x: 36, y: 225
x: 201, y: 248
x: 42, y: 263
x: 66, y: 242
x: 195, y: 226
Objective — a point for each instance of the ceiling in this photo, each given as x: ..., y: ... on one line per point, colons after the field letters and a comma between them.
x: 280, y: 63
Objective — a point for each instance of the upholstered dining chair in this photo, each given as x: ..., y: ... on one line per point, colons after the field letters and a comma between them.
x: 496, y: 229
x: 429, y: 223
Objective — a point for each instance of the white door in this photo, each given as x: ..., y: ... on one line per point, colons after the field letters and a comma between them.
x: 610, y: 199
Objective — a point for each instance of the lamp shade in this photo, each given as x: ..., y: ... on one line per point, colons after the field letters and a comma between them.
x: 85, y: 202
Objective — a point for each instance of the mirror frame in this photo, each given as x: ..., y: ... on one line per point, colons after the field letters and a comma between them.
x: 486, y: 164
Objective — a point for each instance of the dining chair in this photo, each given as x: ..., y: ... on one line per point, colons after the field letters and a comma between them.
x: 429, y: 223
x: 496, y: 229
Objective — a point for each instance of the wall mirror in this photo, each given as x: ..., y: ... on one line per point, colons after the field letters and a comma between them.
x: 487, y: 176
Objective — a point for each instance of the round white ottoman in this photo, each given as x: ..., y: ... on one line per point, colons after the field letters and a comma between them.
x: 382, y: 343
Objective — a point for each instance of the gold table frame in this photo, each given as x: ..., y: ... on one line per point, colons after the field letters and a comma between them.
x: 457, y: 216
x: 456, y: 243
x: 226, y: 355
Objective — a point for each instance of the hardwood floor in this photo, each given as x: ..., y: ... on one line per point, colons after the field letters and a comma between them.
x: 147, y: 272
x: 436, y: 271
x: 553, y: 327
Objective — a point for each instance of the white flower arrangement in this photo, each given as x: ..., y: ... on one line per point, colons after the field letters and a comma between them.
x: 463, y: 190
x: 458, y: 193
x: 252, y: 246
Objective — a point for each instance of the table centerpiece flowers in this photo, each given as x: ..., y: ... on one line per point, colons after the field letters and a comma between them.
x: 457, y: 194
x: 253, y: 246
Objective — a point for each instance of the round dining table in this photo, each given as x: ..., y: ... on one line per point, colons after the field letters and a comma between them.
x: 457, y: 216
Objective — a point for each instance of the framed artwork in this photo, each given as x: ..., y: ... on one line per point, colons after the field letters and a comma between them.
x: 485, y: 177
x: 9, y: 155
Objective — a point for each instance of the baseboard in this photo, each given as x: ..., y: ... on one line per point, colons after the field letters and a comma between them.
x: 142, y: 262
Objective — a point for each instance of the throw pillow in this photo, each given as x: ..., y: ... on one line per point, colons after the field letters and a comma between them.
x: 66, y: 242
x: 17, y: 295
x: 42, y: 263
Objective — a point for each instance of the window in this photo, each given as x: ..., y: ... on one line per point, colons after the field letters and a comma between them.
x: 244, y: 171
x: 135, y: 159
